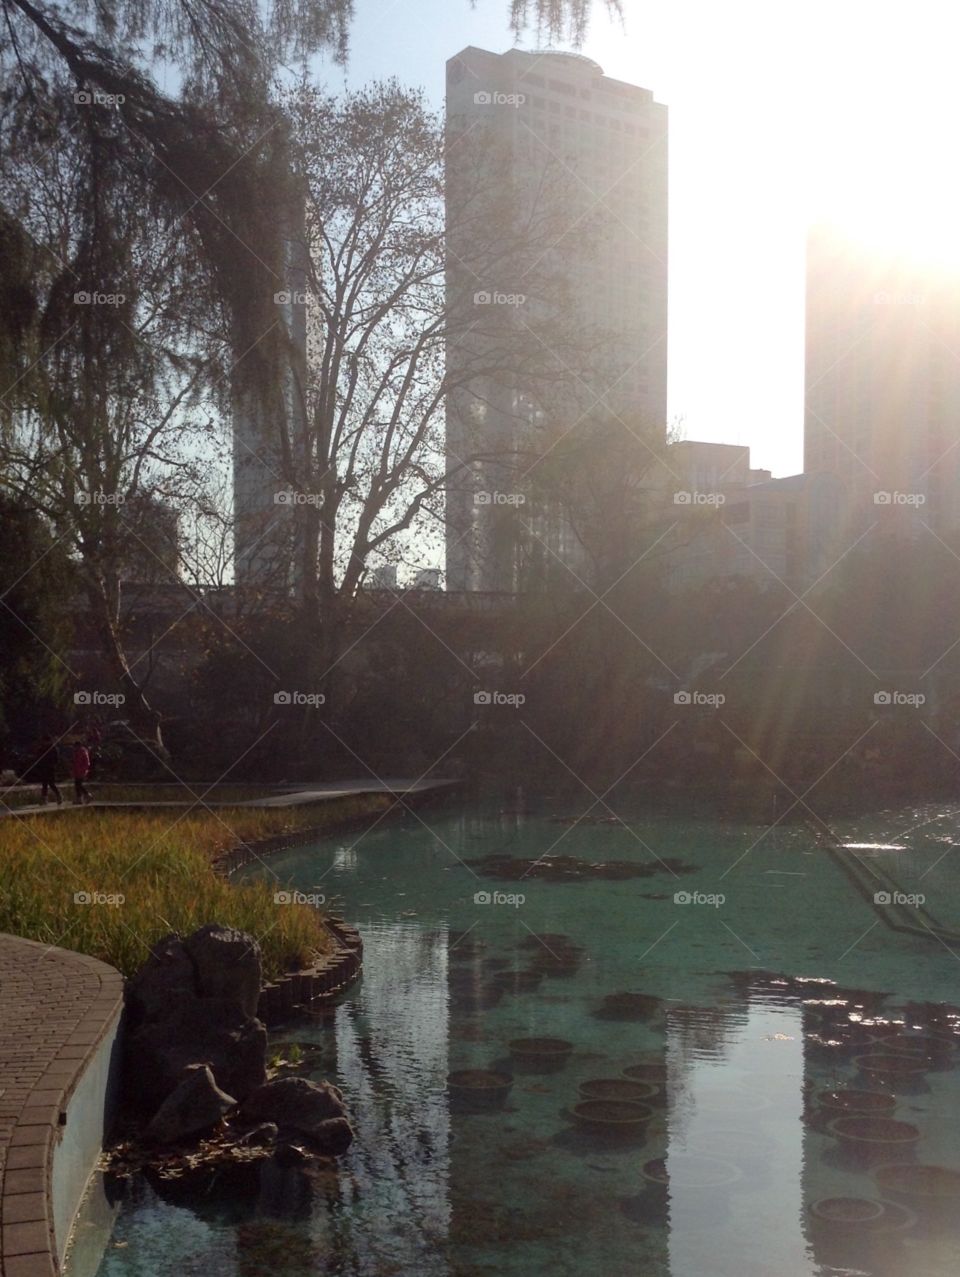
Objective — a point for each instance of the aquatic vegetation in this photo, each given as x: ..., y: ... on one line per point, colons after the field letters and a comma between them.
x: 572, y: 869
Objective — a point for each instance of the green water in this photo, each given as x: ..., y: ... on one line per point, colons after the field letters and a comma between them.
x: 428, y: 1189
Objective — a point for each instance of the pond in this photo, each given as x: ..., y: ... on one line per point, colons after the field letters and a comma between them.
x: 726, y: 1153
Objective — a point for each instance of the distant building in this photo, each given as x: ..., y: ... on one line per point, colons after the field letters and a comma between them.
x: 542, y: 113
x: 714, y: 517
x: 883, y: 384
x: 427, y: 579
x: 383, y: 577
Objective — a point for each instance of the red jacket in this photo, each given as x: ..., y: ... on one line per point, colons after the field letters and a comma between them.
x: 81, y: 762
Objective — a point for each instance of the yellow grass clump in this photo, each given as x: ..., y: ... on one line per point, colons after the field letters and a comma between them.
x: 111, y: 882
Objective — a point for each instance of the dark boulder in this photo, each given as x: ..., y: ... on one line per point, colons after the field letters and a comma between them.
x: 227, y: 963
x: 303, y: 1110
x: 212, y: 1031
x: 162, y: 984
x: 194, y: 1106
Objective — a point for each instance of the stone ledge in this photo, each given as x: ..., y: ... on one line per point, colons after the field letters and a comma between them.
x: 312, y: 990
x: 51, y: 1030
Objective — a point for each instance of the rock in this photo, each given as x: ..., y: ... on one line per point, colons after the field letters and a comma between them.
x: 165, y: 980
x: 332, y: 1137
x: 295, y: 1104
x: 288, y: 1155
x: 263, y: 1134
x: 212, y: 1031
x: 227, y: 963
x: 195, y: 1105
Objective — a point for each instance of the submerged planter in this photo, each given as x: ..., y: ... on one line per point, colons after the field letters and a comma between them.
x: 516, y: 981
x: 937, y: 1051
x: 629, y: 1006
x: 541, y: 1054
x: 655, y: 1073
x: 839, y: 1103
x: 898, y: 1073
x: 616, y: 1119
x: 479, y: 1090
x: 856, y: 1232
x: 933, y: 1192
x: 868, y: 1141
x: 619, y: 1088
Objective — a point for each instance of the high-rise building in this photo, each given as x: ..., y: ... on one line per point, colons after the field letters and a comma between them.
x: 544, y: 148
x: 883, y: 384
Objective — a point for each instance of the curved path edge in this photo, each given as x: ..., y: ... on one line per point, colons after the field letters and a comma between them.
x: 59, y: 1068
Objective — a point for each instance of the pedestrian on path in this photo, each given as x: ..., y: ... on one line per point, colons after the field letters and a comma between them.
x: 80, y: 767
x: 45, y: 770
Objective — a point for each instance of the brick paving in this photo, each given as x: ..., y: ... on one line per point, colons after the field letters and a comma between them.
x: 55, y: 1007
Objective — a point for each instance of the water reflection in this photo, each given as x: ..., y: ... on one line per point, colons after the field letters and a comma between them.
x: 614, y: 1108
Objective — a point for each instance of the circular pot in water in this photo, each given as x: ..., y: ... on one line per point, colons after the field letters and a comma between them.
x: 629, y: 1006
x: 933, y: 1192
x: 541, y: 1051
x: 480, y: 1089
x: 868, y: 1140
x: 619, y: 1088
x: 938, y: 1051
x: 831, y: 1104
x: 656, y: 1073
x: 615, y: 1118
x: 897, y: 1073
x: 516, y: 981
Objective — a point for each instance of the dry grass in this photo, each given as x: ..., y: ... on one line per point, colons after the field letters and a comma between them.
x: 110, y: 883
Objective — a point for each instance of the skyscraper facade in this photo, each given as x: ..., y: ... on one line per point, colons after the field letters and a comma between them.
x: 573, y: 332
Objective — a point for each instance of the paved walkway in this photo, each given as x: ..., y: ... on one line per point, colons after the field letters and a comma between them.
x: 286, y: 796
x: 55, y: 1007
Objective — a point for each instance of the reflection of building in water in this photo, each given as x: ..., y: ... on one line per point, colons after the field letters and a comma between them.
x: 392, y: 1062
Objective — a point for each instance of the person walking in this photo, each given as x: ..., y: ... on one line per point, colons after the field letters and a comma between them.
x: 45, y: 770
x: 80, y: 767
x: 94, y: 741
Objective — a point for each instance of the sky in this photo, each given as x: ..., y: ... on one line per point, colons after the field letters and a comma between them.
x: 781, y: 114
